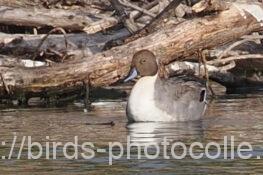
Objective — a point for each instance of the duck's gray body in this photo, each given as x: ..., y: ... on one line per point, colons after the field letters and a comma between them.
x: 175, y: 99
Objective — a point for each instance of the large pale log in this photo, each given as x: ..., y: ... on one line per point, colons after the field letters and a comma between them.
x: 169, y: 44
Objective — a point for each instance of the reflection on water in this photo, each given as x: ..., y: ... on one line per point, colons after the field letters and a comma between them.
x: 239, y: 116
x: 156, y: 132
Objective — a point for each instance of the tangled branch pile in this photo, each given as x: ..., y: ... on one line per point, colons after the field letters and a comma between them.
x: 60, y: 46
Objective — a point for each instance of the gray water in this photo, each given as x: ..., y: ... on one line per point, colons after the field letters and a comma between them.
x: 240, y: 116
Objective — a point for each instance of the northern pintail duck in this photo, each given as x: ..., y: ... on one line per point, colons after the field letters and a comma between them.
x: 153, y: 99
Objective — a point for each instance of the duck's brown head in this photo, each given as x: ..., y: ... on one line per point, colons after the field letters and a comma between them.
x: 144, y: 63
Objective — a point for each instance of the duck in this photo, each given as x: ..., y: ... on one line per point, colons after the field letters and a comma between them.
x: 178, y: 98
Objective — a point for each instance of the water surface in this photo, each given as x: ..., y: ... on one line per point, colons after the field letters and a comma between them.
x: 240, y: 116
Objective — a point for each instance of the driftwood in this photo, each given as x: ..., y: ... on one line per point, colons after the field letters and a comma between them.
x: 78, y: 44
x: 220, y: 75
x: 53, y: 3
x: 87, y: 20
x: 67, y: 19
x: 169, y: 43
x: 43, y: 17
x: 157, y: 23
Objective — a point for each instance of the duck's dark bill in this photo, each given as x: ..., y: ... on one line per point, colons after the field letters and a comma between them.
x: 133, y: 74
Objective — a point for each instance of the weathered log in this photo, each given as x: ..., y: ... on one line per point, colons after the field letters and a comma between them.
x: 82, y: 43
x: 67, y: 19
x: 169, y: 44
x: 50, y: 3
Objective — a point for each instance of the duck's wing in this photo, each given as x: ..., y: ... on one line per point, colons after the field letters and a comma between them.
x: 181, y: 96
x: 177, y: 86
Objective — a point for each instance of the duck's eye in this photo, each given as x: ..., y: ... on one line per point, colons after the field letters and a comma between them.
x: 202, y: 96
x: 143, y: 61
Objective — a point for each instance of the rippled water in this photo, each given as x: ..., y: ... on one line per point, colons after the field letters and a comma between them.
x: 240, y: 116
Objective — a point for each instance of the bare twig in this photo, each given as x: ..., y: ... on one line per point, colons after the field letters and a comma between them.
x: 246, y: 39
x: 233, y: 58
x: 253, y: 37
x: 227, y: 67
x: 45, y: 37
x: 147, y: 7
x: 128, y: 4
x: 123, y: 16
x: 53, y: 51
x: 4, y: 84
x: 204, y: 62
x: 210, y: 5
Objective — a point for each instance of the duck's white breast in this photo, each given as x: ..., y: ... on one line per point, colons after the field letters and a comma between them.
x: 141, y: 104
